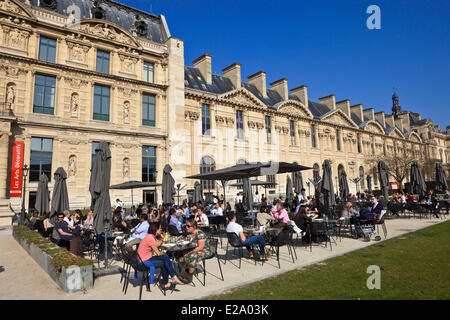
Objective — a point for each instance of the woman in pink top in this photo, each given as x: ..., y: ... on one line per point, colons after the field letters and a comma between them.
x: 280, y: 214
x: 149, y: 252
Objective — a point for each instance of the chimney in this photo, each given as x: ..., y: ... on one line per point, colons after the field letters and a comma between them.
x: 369, y: 113
x: 203, y: 63
x: 389, y: 120
x: 406, y: 121
x: 329, y: 101
x: 281, y: 86
x: 358, y: 110
x: 259, y: 81
x: 379, y: 116
x: 301, y: 93
x: 233, y: 73
x: 399, y: 124
x: 344, y: 105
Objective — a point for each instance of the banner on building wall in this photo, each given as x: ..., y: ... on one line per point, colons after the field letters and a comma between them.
x: 15, y: 189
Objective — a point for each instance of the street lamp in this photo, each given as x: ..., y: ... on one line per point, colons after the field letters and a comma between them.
x: 25, y: 170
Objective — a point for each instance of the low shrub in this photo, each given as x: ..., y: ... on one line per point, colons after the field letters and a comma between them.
x: 60, y: 256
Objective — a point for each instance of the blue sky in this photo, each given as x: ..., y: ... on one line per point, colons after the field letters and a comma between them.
x: 325, y: 45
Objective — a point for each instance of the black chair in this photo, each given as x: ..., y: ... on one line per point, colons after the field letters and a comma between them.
x: 90, y: 245
x: 220, y: 224
x: 213, y: 245
x: 283, y: 239
x: 235, y: 242
x: 173, y: 231
x: 319, y: 231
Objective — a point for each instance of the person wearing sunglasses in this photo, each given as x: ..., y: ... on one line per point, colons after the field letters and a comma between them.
x: 62, y: 228
x: 202, y: 250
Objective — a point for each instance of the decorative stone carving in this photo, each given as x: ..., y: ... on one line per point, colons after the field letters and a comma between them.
x: 10, y: 95
x: 74, y: 104
x: 229, y: 121
x: 251, y: 124
x: 294, y: 111
x: 191, y: 115
x: 77, y: 52
x: 128, y: 92
x: 126, y: 167
x: 260, y: 125
x: 220, y: 119
x: 128, y: 63
x: 72, y: 165
x: 16, y: 38
x: 126, y: 112
x: 109, y: 32
x: 9, y: 6
x: 285, y: 130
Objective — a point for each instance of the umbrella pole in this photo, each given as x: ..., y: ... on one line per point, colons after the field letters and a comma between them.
x: 132, y: 200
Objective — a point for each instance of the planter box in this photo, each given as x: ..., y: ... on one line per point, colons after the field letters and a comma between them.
x: 71, y: 280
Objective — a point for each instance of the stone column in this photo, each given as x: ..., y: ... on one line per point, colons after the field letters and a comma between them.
x: 5, y: 212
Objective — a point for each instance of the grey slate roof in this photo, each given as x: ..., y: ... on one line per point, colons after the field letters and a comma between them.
x: 115, y: 12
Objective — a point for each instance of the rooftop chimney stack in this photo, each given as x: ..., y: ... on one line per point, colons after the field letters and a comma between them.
x: 389, y: 120
x: 233, y: 73
x: 281, y: 86
x: 301, y: 93
x: 399, y: 124
x: 259, y: 81
x: 369, y: 113
x: 344, y: 105
x: 329, y: 101
x: 379, y: 116
x: 357, y: 109
x: 203, y: 63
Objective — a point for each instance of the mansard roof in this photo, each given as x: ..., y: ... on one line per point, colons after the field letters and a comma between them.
x: 117, y: 13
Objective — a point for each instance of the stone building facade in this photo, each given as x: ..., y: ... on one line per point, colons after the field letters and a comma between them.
x: 74, y: 73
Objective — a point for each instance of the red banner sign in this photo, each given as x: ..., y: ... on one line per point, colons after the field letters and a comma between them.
x: 16, y: 169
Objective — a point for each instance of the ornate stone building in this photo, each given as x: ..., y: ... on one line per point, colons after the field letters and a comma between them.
x: 75, y: 72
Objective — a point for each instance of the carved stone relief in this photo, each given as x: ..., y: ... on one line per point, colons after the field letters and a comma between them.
x: 72, y: 165
x: 74, y: 104
x: 126, y: 167
x: 10, y: 95
x: 126, y: 112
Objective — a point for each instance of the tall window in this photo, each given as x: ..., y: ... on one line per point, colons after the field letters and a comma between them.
x: 148, y: 75
x: 207, y: 164
x: 239, y: 125
x: 292, y: 132
x: 148, y: 110
x: 47, y: 49
x: 268, y: 129
x: 206, y: 120
x: 41, y: 158
x: 102, y: 61
x: 313, y: 136
x: 148, y: 164
x: 44, y: 94
x: 338, y: 140
x: 270, y: 178
x: 101, y: 102
x: 358, y: 137
x: 316, y: 172
x: 375, y: 176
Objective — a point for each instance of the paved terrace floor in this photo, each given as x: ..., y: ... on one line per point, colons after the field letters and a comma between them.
x: 22, y: 278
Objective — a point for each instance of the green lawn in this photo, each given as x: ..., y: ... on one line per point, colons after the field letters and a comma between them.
x: 413, y: 266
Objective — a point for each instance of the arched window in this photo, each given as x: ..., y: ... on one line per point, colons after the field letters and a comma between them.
x: 316, y: 172
x: 207, y: 164
x: 361, y: 175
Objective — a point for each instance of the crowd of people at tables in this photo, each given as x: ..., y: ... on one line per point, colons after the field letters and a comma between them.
x: 187, y: 220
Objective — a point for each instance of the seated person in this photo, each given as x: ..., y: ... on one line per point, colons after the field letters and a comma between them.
x: 263, y: 218
x: 149, y: 253
x: 377, y: 207
x: 217, y: 210
x: 237, y: 228
x: 63, y: 232
x: 48, y: 226
x: 280, y: 214
x: 432, y: 204
x: 201, y: 218
x: 138, y: 233
x: 118, y: 224
x: 89, y: 222
x: 191, y: 258
x: 313, y: 208
x: 348, y: 211
x: 303, y: 217
x: 32, y: 222
x: 302, y: 203
x: 175, y: 221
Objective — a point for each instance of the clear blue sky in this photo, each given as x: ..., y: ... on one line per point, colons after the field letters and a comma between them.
x: 325, y: 45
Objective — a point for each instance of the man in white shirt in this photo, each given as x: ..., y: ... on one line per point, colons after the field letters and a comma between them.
x: 302, y: 196
x: 234, y: 227
x: 217, y: 210
x: 238, y: 198
x: 256, y: 198
x: 68, y: 218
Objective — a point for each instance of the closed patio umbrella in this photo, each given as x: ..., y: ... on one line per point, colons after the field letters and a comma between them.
x: 168, y: 186
x: 289, y: 192
x: 417, y: 183
x: 441, y: 181
x: 344, y: 190
x: 384, y: 180
x: 198, y: 193
x: 247, y: 200
x: 327, y: 189
x: 60, y: 196
x: 297, y: 180
x: 369, y: 183
x: 99, y: 188
x: 42, y: 195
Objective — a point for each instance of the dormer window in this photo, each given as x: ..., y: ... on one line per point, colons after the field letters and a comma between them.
x: 49, y: 4
x: 141, y: 27
x: 97, y: 11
